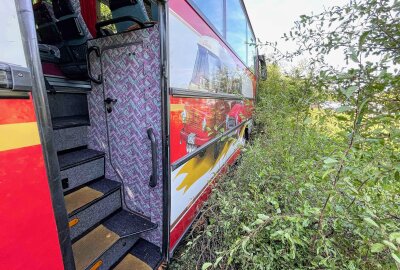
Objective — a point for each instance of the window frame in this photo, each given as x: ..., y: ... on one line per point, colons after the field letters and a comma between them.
x: 222, y: 36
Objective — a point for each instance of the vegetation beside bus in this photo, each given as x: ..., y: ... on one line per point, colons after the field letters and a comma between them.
x: 319, y: 186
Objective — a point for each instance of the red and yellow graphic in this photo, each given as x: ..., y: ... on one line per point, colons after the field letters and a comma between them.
x: 25, y: 201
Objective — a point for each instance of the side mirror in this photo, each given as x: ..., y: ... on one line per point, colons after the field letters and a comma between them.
x: 263, y: 67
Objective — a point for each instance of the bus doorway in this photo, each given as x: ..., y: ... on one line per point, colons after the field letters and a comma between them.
x: 104, y: 92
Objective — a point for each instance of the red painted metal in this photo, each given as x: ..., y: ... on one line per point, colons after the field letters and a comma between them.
x: 15, y: 111
x: 28, y: 235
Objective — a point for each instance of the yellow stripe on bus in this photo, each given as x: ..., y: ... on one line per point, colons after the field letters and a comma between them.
x: 177, y: 107
x: 13, y: 136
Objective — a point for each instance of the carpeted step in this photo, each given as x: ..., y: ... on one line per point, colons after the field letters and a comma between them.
x: 143, y: 256
x: 90, y: 204
x: 108, y: 242
x: 70, y: 132
x: 70, y: 121
x: 80, y: 166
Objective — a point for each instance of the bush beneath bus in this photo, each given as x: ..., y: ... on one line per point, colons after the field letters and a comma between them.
x: 296, y: 200
x: 319, y: 187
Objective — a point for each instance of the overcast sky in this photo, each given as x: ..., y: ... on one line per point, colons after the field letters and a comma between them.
x: 272, y: 18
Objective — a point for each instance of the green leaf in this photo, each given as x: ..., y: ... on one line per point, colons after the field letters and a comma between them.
x: 206, y: 266
x: 263, y: 217
x: 343, y: 109
x: 258, y: 222
x: 397, y: 176
x: 330, y: 161
x: 217, y: 261
x: 362, y: 39
x: 328, y: 172
x: 394, y: 236
x: 395, y: 257
x: 377, y: 247
x: 389, y: 244
x: 353, y: 55
x: 247, y: 229
x: 349, y: 91
x: 371, y: 222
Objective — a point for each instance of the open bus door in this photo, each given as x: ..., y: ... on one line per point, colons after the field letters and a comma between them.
x: 29, y: 230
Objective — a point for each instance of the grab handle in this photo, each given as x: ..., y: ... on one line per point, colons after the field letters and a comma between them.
x: 154, y: 175
x: 96, y: 49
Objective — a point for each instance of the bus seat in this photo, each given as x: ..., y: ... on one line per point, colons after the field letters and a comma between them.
x: 46, y: 24
x: 154, y: 10
x: 75, y: 35
x: 134, y: 8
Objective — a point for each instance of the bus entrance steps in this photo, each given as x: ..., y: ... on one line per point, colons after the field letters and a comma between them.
x: 80, y: 166
x: 90, y: 204
x: 144, y: 255
x: 102, y: 233
x: 108, y: 242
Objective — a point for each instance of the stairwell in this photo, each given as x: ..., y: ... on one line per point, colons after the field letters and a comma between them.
x: 103, y: 234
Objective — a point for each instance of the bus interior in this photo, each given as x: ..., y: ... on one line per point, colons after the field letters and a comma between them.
x: 102, y: 71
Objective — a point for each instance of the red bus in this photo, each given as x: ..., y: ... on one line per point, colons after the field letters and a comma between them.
x: 117, y: 116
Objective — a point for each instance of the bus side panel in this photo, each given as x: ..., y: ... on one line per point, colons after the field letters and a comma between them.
x: 205, y: 76
x: 29, y: 238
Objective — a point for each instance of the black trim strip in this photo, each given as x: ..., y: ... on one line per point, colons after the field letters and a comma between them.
x: 204, y: 94
x: 8, y: 94
x: 165, y: 126
x: 186, y: 158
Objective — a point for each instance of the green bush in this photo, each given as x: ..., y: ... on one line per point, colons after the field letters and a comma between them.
x: 267, y: 213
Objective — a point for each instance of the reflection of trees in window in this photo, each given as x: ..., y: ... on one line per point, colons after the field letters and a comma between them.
x: 206, y: 70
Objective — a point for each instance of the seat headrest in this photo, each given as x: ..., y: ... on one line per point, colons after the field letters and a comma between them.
x: 62, y: 8
x: 115, y: 4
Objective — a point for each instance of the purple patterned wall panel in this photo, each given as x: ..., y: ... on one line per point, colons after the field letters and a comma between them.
x: 130, y: 66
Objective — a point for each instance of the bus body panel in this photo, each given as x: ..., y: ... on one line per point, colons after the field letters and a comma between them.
x: 212, y: 93
x: 29, y: 238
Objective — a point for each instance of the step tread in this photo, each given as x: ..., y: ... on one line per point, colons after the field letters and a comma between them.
x: 74, y: 158
x: 70, y: 121
x: 130, y: 262
x: 92, y: 245
x: 126, y: 224
x: 144, y: 256
x: 147, y: 252
x: 85, y: 196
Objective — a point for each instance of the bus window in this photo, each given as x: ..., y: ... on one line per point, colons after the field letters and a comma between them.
x: 251, y: 49
x: 236, y: 28
x: 207, y: 67
x: 213, y: 10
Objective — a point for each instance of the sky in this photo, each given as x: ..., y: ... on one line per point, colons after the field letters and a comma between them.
x: 272, y: 18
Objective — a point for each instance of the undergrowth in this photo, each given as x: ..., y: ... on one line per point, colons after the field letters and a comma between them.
x: 305, y: 195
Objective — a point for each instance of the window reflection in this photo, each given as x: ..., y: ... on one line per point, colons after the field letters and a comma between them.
x: 236, y: 28
x: 213, y: 10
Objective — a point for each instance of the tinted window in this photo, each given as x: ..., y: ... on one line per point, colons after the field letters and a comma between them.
x: 251, y: 49
x: 213, y: 10
x: 236, y: 28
